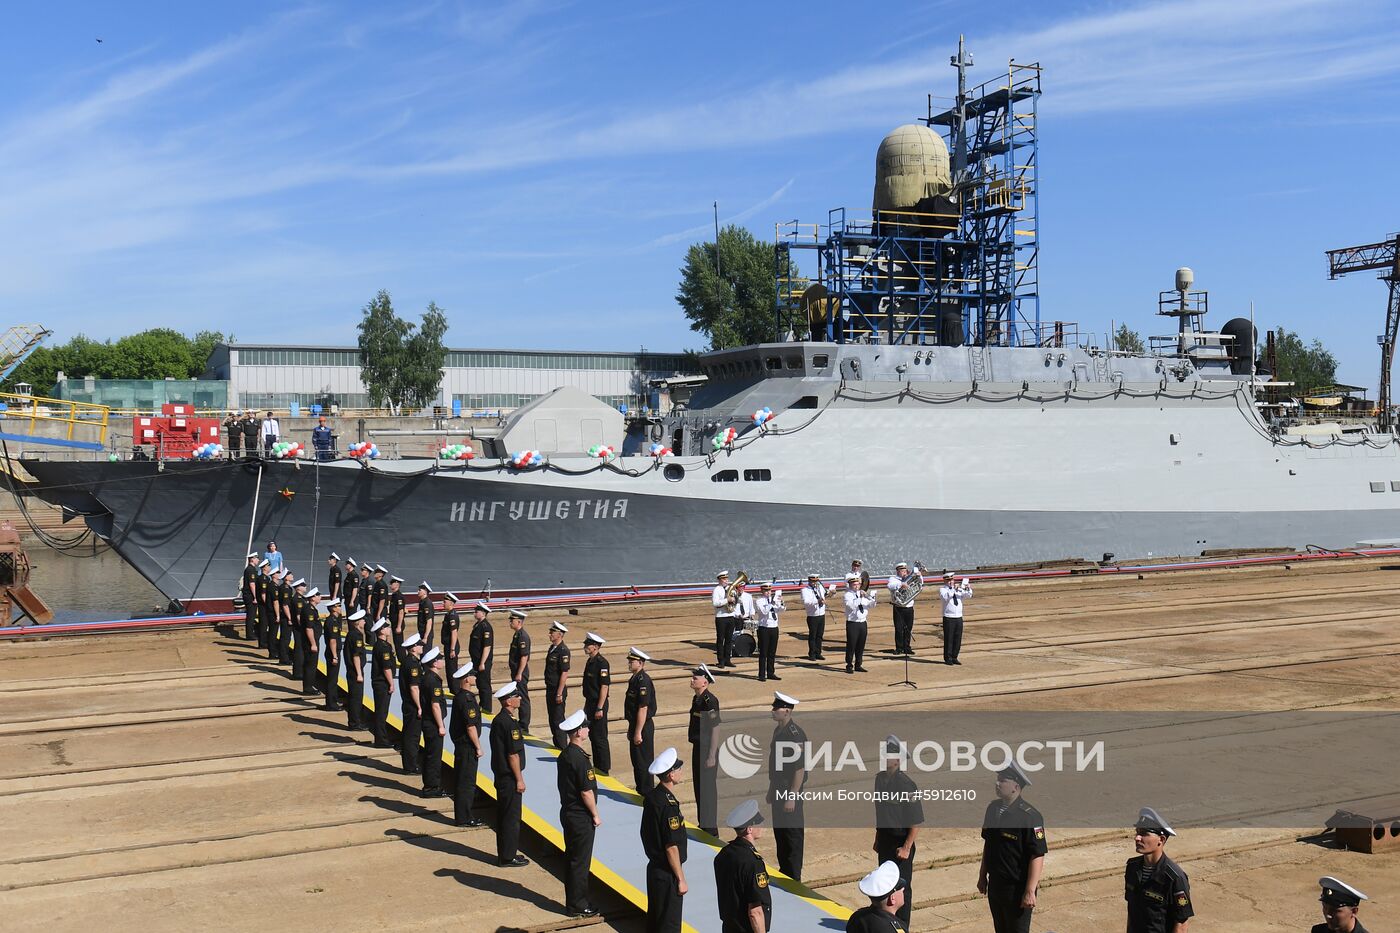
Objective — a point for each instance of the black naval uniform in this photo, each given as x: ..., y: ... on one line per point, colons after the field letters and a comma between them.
x: 789, y: 833
x: 507, y: 738
x: 426, y: 616
x: 1322, y: 928
x: 378, y: 599
x: 310, y: 646
x: 335, y: 643
x: 662, y: 827
x: 520, y: 648
x: 466, y: 715
x: 250, y: 602
x: 333, y: 582
x: 295, y: 611
x: 575, y: 779
x: 483, y: 636
x: 704, y: 716
x: 395, y: 604
x: 264, y: 593
x: 410, y: 675
x: 1157, y: 897
x: 741, y: 880
x: 251, y: 427
x: 350, y: 601
x: 556, y: 665
x: 641, y: 694
x: 286, y: 598
x: 596, y: 675
x: 385, y: 664
x: 1013, y: 836
x: 432, y: 692
x: 897, y: 810
x: 874, y: 920
x: 355, y: 683
x: 451, y: 642
x: 362, y: 599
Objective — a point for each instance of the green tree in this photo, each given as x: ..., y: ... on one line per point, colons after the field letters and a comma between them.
x: 1307, y: 366
x: 201, y: 345
x: 401, y: 363
x: 1127, y: 340
x: 159, y: 353
x: 738, y: 304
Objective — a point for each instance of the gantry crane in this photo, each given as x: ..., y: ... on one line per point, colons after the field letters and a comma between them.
x: 1384, y: 256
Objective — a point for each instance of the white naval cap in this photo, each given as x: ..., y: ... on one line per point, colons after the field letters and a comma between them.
x: 1013, y: 772
x: 451, y: 599
x: 506, y: 692
x: 263, y: 562
x: 782, y: 699
x: 424, y: 586
x: 432, y: 654
x: 481, y: 606
x: 314, y: 591
x: 703, y: 671
x: 518, y: 614
x: 333, y: 556
x: 639, y: 654
x: 351, y: 562
x: 882, y: 881
x: 722, y: 573
x: 594, y: 637
x: 573, y: 722
x: 331, y: 602
x: 357, y: 615
x: 396, y: 579
x: 852, y: 577
x: 299, y: 581
x: 412, y: 640
x: 380, y: 568
x: 1338, y: 893
x: 905, y: 566
x: 665, y: 763
x: 378, y: 625
x: 463, y: 671
x: 560, y: 627
x: 1149, y: 820
x: 252, y: 554
x: 744, y: 815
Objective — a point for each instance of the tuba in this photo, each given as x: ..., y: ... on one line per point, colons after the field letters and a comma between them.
x: 907, y: 593
x: 731, y: 592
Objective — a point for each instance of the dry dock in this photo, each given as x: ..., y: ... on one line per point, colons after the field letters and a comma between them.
x: 178, y: 780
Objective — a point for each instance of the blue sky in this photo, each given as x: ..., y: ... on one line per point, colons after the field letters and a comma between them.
x: 539, y: 168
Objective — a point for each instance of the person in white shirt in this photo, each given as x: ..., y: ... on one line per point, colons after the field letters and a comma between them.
x: 858, y: 603
x: 270, y: 432
x: 744, y: 612
x: 814, y: 601
x: 724, y: 620
x: 903, y: 615
x: 954, y: 593
x: 767, y: 607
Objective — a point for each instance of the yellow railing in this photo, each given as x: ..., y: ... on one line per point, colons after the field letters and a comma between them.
x: 34, y: 409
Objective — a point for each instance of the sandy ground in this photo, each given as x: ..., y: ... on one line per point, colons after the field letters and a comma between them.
x: 164, y: 781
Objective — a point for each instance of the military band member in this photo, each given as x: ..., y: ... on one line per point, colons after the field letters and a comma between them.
x: 410, y: 703
x: 1013, y: 853
x: 704, y: 717
x: 385, y: 666
x: 889, y: 902
x: 355, y: 671
x: 556, y: 679
x: 296, y: 630
x: 427, y: 614
x: 518, y: 661
x: 333, y: 576
x: 465, y: 728
x: 953, y: 594
x: 451, y: 634
x: 903, y: 615
x: 766, y: 609
x: 741, y: 877
x: 858, y: 603
x: 597, y: 684
x: 814, y: 602
x: 1156, y: 889
x: 379, y: 600
x: 744, y: 611
x: 396, y: 603
x: 724, y: 620
x: 481, y: 651
x: 266, y: 619
x: 508, y: 771
x: 248, y: 589
x: 898, y: 815
x: 433, y: 712
x: 334, y: 642
x: 350, y: 588
x: 666, y: 845
x: 786, y: 778
x: 639, y: 711
x: 1340, y: 905
x: 578, y: 814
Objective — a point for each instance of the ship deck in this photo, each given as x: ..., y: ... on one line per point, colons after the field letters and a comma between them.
x: 165, y: 781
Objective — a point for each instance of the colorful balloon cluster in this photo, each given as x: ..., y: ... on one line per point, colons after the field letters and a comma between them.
x: 363, y: 449
x: 602, y: 452
x: 762, y: 416
x: 526, y: 459
x: 288, y: 450
x: 659, y: 451
x: 725, y: 438
x: 208, y: 451
x: 456, y: 452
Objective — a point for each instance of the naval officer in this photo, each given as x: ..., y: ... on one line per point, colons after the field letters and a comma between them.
x: 1013, y: 853
x: 724, y: 620
x: 410, y: 703
x: 508, y: 774
x: 481, y: 652
x: 465, y: 728
x: 898, y: 815
x: 665, y: 842
x: 741, y: 877
x: 786, y: 778
x: 596, y: 687
x: 1156, y: 889
x: 814, y: 601
x: 385, y: 665
x: 578, y: 814
x: 888, y: 892
x: 704, y: 717
x: 556, y: 679
x: 518, y: 664
x: 1340, y: 905
x: 639, y: 711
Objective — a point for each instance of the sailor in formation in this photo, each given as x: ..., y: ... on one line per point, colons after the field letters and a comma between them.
x: 1013, y: 853
x: 639, y: 711
x: 332, y: 647
x: 704, y: 717
x: 898, y: 815
x: 262, y: 594
x: 578, y: 814
x: 953, y: 593
x: 350, y: 588
x: 814, y: 596
x: 724, y: 620
x: 284, y: 602
x: 665, y: 842
x: 858, y: 603
x: 465, y: 728
x: 365, y: 594
x: 596, y: 688
x: 410, y: 703
x: 433, y: 713
x: 557, y: 661
x: 427, y: 614
x: 1156, y: 889
x: 309, y: 639
x: 396, y: 604
x: 519, y: 664
x: 508, y: 774
x: 384, y: 668
x: 903, y: 614
x: 766, y: 609
x: 741, y: 877
x: 1340, y: 905
x: 481, y: 651
x: 451, y: 635
x: 888, y: 911
x: 248, y: 589
x: 355, y: 670
x: 378, y: 601
x: 333, y: 576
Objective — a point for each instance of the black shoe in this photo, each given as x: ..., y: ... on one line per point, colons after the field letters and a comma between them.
x: 584, y: 914
x: 519, y: 861
x: 472, y: 823
x: 413, y: 771
x: 761, y: 678
x: 949, y: 663
x: 383, y: 744
x: 955, y: 661
x: 821, y: 657
x: 774, y: 677
x: 849, y: 669
x: 860, y: 670
x: 434, y: 792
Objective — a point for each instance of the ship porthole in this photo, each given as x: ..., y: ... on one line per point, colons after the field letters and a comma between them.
x: 674, y: 472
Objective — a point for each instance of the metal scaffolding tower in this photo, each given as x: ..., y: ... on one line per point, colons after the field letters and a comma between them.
x: 1384, y: 256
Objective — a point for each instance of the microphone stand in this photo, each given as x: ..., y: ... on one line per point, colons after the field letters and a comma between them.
x: 906, y: 682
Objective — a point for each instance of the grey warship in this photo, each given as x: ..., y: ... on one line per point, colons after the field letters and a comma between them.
x: 914, y: 405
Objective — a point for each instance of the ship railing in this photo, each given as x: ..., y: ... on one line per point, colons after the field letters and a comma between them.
x: 25, y: 413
